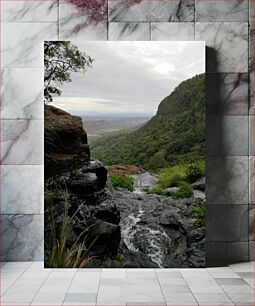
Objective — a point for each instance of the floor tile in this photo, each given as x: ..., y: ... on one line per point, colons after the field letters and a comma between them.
x: 81, y: 298
x: 230, y: 281
x: 114, y: 273
x: 242, y: 299
x: 243, y: 267
x: 222, y: 272
x: 180, y: 299
x: 213, y: 299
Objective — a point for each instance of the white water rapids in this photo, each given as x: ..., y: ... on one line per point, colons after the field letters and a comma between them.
x: 136, y: 233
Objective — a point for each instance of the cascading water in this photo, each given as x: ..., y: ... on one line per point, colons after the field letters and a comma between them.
x: 137, y: 236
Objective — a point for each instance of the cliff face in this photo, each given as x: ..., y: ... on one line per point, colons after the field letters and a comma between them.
x: 64, y: 137
x: 78, y: 188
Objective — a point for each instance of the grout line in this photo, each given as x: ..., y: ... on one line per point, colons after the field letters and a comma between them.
x: 69, y: 286
x: 98, y: 287
x: 160, y: 287
x: 41, y: 286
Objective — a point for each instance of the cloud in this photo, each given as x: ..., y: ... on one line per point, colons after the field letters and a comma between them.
x: 131, y: 76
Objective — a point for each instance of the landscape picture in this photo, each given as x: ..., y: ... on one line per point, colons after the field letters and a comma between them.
x: 124, y: 141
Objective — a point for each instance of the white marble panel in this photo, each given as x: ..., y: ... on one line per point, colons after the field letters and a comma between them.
x: 151, y: 10
x: 79, y: 22
x: 234, y: 10
x: 22, y: 237
x: 228, y: 45
x: 22, y: 189
x: 22, y: 142
x: 172, y: 31
x: 22, y: 93
x: 23, y: 10
x: 129, y: 31
x: 22, y: 43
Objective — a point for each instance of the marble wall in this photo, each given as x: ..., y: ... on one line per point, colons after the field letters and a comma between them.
x: 226, y: 26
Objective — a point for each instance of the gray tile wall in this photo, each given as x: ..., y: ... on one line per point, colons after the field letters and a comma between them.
x: 227, y: 27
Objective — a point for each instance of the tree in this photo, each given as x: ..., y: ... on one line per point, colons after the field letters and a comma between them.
x: 61, y: 58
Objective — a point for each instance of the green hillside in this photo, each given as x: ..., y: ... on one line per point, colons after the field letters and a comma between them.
x: 175, y: 134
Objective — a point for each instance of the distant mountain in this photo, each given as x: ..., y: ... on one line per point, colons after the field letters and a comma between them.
x: 176, y: 133
x: 97, y: 127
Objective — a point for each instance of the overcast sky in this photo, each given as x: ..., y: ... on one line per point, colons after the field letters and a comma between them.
x: 130, y: 77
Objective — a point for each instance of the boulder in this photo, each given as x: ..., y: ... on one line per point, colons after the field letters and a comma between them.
x: 199, y: 185
x: 106, y: 235
x: 171, y: 190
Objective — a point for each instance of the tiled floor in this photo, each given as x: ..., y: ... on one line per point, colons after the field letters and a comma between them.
x: 27, y: 283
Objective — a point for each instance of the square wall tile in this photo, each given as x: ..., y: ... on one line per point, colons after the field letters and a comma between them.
x: 215, y: 253
x: 22, y: 237
x: 23, y: 43
x: 78, y: 20
x: 227, y: 223
x: 227, y: 180
x: 238, y: 252
x: 151, y: 10
x: 226, y: 94
x: 129, y: 31
x: 172, y: 31
x: 227, y: 135
x: 234, y: 10
x: 21, y: 142
x: 227, y: 43
x: 22, y: 93
x: 29, y: 11
x: 22, y: 189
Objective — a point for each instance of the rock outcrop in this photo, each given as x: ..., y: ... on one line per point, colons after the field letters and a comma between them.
x: 80, y: 197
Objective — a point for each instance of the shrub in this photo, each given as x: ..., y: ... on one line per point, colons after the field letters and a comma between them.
x: 171, y: 176
x: 198, y: 212
x: 157, y: 190
x: 193, y: 172
x: 123, y: 180
x: 184, y: 191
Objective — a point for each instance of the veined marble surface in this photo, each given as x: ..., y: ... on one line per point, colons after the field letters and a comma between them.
x: 228, y: 43
x: 22, y: 189
x: 22, y: 93
x: 234, y: 10
x: 21, y: 142
x: 23, y: 10
x: 25, y: 47
x: 152, y: 10
x: 251, y: 182
x: 22, y: 237
x: 227, y: 94
x: 227, y: 223
x: 172, y: 31
x: 129, y: 31
x: 77, y: 23
x: 227, y: 180
x: 251, y: 135
x: 227, y: 135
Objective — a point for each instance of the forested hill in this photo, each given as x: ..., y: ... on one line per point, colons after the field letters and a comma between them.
x: 176, y: 133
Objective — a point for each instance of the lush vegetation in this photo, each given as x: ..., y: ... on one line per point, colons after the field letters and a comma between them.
x: 122, y: 180
x: 174, y: 176
x: 185, y: 191
x: 173, y: 136
x: 157, y: 190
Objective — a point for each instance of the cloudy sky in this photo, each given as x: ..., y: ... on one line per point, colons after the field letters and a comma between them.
x: 130, y: 77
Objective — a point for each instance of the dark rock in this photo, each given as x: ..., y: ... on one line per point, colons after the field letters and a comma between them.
x: 107, y: 236
x: 199, y: 185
